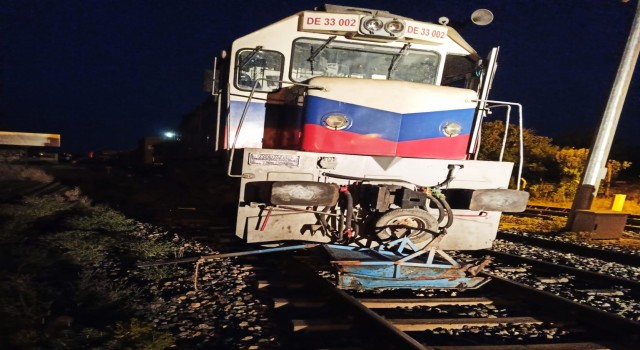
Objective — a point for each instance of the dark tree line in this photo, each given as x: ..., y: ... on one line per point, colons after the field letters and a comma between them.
x: 550, y: 171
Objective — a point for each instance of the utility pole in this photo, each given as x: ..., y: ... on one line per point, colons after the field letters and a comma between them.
x: 599, y: 153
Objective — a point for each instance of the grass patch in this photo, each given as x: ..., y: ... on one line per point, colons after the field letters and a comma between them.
x: 83, y: 247
x: 145, y: 250
x: 62, y: 279
x: 102, y: 218
x: 136, y: 334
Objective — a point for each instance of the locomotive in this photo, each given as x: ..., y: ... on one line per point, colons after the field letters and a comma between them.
x: 357, y: 126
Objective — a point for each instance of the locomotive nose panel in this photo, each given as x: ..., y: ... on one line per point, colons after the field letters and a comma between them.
x: 386, y: 118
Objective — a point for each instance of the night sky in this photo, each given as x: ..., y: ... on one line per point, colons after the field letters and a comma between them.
x: 103, y: 74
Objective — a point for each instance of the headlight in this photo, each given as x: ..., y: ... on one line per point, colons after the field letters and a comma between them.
x: 381, y: 27
x: 372, y: 24
x: 394, y: 27
x: 451, y: 129
x: 336, y: 121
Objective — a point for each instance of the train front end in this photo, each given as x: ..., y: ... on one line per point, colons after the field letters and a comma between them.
x: 360, y: 127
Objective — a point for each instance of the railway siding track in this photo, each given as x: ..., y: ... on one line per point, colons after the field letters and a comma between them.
x: 545, y: 212
x: 627, y: 258
x: 586, y: 282
x: 555, y: 268
x: 13, y: 190
x: 594, y: 317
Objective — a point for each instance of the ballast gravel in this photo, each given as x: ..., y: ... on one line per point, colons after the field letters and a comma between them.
x: 569, y: 259
x: 566, y: 238
x: 223, y: 313
x: 613, y: 299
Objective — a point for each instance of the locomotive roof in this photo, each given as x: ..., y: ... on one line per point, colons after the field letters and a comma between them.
x: 359, y: 10
x: 451, y: 32
x: 300, y: 22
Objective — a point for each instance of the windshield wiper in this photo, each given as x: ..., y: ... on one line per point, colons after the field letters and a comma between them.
x: 315, y: 53
x: 396, y: 58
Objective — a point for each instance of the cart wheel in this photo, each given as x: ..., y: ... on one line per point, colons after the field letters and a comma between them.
x: 399, y: 222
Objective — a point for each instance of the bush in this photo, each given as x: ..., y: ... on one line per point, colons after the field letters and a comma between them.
x: 75, y: 196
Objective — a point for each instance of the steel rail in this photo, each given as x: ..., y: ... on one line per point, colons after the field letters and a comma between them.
x: 51, y: 187
x: 624, y: 329
x: 564, y: 212
x: 603, y: 254
x: 377, y: 322
x: 15, y: 190
x: 632, y: 224
x: 589, y: 276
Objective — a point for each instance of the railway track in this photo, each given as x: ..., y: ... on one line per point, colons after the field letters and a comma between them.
x: 551, y: 213
x: 503, y: 314
x: 446, y: 320
x: 596, y: 278
x: 13, y: 190
x: 597, y: 289
x: 626, y: 258
x: 312, y: 313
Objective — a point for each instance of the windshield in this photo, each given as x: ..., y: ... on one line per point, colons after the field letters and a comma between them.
x: 315, y: 57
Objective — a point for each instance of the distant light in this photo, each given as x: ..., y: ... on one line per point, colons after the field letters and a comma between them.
x: 169, y: 134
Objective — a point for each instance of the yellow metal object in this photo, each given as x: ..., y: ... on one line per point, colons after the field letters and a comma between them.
x: 618, y: 202
x: 29, y: 139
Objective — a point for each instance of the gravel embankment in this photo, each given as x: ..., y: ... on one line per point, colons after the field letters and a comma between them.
x: 223, y: 313
x: 614, y: 299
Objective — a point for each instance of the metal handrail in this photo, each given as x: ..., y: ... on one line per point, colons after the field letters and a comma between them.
x: 235, y: 139
x: 520, y: 129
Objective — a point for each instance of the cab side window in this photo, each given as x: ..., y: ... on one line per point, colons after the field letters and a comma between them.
x: 461, y: 72
x: 259, y: 68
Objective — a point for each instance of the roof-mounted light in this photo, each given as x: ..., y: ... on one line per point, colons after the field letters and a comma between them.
x: 372, y: 25
x: 394, y: 27
x: 381, y: 27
